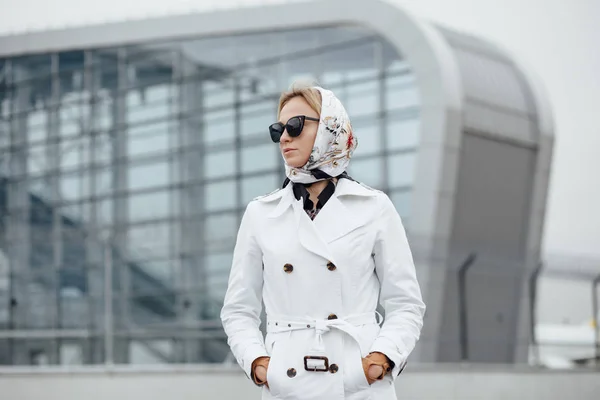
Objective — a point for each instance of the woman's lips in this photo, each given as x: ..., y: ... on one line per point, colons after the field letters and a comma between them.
x: 285, y: 151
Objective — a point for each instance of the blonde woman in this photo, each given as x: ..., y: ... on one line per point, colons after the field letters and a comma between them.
x: 320, y: 253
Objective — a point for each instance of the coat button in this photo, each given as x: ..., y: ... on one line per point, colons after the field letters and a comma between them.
x: 332, y: 316
x: 288, y: 268
x: 331, y: 266
x: 333, y: 368
x: 291, y: 372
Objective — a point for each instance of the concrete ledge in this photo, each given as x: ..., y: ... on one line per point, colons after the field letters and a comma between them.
x: 438, y: 381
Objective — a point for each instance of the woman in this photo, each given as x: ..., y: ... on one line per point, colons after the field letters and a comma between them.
x: 320, y: 253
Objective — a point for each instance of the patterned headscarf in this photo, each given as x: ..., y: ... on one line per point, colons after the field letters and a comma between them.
x: 334, y: 143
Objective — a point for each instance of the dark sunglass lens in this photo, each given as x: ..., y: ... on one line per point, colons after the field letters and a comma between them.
x: 294, y: 126
x: 276, y: 130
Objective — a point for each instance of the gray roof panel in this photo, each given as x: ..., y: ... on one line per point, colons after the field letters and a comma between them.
x: 497, y: 97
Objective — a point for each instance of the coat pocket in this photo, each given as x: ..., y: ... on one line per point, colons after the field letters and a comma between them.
x: 272, y: 376
x: 275, y: 344
x: 355, y: 379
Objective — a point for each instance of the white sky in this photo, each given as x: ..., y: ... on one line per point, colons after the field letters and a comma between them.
x: 559, y: 39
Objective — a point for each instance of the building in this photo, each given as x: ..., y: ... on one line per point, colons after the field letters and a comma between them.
x: 129, y: 151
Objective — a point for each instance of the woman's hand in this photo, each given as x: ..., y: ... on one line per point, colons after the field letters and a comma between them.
x: 260, y: 367
x: 375, y: 366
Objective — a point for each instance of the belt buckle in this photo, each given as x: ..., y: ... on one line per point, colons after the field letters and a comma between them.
x: 315, y: 369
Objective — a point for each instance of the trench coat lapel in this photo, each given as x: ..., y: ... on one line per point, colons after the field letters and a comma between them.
x: 309, y: 236
x: 336, y: 219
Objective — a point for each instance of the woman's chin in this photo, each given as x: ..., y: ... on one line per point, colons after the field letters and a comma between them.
x: 294, y: 162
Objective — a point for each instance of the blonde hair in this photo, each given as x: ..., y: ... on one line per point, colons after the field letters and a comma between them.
x: 311, y: 95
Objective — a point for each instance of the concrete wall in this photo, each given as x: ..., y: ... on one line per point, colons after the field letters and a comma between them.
x: 491, y: 209
x: 195, y: 383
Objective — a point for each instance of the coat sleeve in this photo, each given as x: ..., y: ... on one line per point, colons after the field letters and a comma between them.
x: 241, y: 310
x: 400, y: 293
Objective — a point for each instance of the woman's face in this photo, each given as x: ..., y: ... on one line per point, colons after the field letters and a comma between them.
x: 296, y: 150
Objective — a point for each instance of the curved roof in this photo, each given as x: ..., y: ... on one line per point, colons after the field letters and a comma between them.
x: 499, y: 95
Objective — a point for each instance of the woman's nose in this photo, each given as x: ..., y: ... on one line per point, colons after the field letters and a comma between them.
x: 285, y: 137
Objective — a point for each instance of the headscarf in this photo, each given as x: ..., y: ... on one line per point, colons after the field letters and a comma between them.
x: 334, y: 144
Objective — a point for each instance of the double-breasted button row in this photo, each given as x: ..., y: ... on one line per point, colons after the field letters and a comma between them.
x: 289, y: 268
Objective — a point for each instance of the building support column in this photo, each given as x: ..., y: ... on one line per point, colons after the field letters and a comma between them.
x: 119, y: 238
x: 191, y: 276
x: 18, y: 213
x: 54, y: 198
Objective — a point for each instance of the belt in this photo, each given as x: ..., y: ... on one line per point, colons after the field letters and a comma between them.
x: 348, y: 325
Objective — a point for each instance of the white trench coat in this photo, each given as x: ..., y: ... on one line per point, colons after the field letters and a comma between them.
x: 320, y: 282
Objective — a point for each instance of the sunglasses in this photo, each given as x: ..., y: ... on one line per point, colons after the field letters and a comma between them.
x: 294, y: 127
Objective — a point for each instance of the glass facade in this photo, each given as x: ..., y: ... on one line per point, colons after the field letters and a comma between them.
x: 125, y: 172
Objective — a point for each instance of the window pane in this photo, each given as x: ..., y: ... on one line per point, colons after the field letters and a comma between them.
x: 149, y: 241
x: 401, y: 92
x: 74, y: 186
x: 150, y: 139
x: 104, y: 110
x: 219, y: 164
x: 254, y: 187
x: 218, y: 267
x: 74, y: 154
x: 259, y: 158
x: 258, y: 120
x: 403, y: 134
x: 105, y: 212
x: 362, y: 98
x: 149, y: 206
x: 219, y: 127
x: 162, y: 269
x: 218, y: 95
x: 368, y: 136
x: 398, y: 66
x: 148, y: 175
x: 37, y: 126
x: 69, y: 112
x: 218, y: 262
x: 401, y: 200
x: 37, y: 160
x: 401, y: 169
x: 150, y: 103
x: 367, y: 171
x: 220, y: 231
x: 219, y: 196
x: 331, y: 78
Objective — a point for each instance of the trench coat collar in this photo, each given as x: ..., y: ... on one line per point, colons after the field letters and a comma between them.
x: 285, y: 196
x: 334, y: 221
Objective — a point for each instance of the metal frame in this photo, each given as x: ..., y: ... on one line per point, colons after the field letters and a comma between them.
x: 462, y: 305
x: 106, y: 340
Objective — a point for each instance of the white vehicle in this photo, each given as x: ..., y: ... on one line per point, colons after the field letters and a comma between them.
x: 561, y: 346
